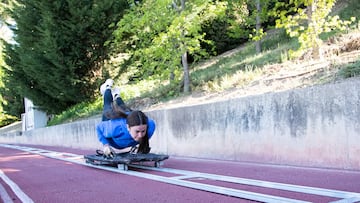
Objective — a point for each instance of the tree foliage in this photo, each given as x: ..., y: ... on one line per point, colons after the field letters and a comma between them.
x: 5, y: 6
x: 306, y: 20
x: 9, y: 103
x: 158, y: 32
x: 225, y: 32
x: 59, y: 49
x: 5, y: 117
x: 58, y: 56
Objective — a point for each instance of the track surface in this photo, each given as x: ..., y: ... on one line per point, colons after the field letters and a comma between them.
x: 42, y: 179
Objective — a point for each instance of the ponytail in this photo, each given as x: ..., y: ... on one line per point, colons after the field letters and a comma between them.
x: 120, y: 111
x: 144, y: 147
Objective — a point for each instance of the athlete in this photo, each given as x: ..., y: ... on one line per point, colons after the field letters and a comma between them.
x: 122, y: 127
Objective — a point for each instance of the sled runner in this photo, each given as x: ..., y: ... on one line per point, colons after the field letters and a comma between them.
x: 123, y: 160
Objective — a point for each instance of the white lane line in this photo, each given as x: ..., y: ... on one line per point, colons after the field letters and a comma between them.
x: 4, y: 195
x: 258, y: 183
x: 15, y: 188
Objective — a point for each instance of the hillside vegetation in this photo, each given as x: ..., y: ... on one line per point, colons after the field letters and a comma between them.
x: 156, y: 64
x: 341, y: 61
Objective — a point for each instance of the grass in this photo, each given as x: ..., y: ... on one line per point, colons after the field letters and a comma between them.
x: 351, y: 70
x: 244, y: 66
x: 82, y: 110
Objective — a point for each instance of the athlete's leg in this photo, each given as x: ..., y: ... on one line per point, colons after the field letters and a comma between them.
x: 105, y: 90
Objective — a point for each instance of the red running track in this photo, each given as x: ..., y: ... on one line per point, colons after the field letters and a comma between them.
x: 44, y: 179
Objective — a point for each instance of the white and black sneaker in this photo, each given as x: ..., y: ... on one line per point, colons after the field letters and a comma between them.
x: 116, y: 92
x: 107, y: 85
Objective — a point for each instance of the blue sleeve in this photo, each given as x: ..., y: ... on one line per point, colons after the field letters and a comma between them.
x: 101, y: 134
x: 114, y: 128
x: 151, y: 127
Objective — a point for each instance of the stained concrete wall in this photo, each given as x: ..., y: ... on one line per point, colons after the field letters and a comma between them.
x: 317, y: 126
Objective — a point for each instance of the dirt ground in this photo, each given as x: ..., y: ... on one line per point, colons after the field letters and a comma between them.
x: 337, y: 52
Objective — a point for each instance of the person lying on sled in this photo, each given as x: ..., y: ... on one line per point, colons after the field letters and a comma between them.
x: 122, y: 127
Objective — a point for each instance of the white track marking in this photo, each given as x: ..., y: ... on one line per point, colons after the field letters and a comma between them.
x: 258, y: 183
x: 4, y: 195
x: 16, y: 189
x: 349, y: 200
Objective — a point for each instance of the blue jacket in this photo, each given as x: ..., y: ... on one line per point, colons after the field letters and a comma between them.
x: 114, y: 132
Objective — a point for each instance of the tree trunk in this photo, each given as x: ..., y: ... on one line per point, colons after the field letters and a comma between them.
x: 184, y: 60
x: 186, y: 73
x: 258, y: 26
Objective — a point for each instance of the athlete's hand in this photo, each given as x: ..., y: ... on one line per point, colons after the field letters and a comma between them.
x: 108, y: 151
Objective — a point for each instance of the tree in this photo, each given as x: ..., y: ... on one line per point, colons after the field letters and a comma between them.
x: 10, y: 103
x: 184, y: 59
x: 5, y: 6
x: 59, y: 49
x: 5, y: 114
x: 258, y: 25
x: 162, y: 33
x: 251, y: 15
x: 307, y: 19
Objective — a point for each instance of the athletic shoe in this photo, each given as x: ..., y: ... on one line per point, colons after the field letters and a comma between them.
x: 116, y: 92
x: 107, y: 85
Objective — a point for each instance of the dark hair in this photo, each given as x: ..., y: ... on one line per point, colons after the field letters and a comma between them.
x: 136, y: 118
x: 119, y: 111
x: 139, y: 118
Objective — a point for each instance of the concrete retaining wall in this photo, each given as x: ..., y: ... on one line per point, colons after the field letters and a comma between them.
x: 14, y: 127
x: 317, y: 126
